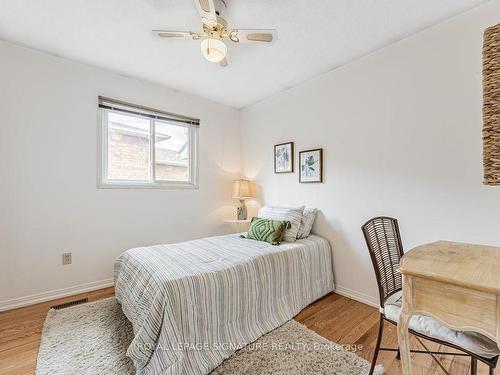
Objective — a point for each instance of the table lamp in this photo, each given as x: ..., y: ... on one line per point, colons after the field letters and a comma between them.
x: 242, y: 190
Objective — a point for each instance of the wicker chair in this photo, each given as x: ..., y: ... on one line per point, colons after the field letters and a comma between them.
x: 385, y: 247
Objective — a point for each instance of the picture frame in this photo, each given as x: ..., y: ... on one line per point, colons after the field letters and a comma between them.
x: 311, y: 166
x: 284, y: 158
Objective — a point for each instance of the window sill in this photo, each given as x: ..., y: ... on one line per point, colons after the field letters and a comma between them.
x: 138, y: 185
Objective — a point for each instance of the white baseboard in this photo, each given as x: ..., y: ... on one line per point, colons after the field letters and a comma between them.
x: 59, y: 293
x: 357, y: 296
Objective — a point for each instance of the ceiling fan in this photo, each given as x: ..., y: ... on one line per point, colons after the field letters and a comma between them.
x: 215, y: 31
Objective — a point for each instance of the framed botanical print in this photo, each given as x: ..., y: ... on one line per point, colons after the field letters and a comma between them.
x: 283, y: 158
x: 311, y: 165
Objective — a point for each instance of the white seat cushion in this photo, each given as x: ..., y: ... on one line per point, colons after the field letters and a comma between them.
x: 471, y: 341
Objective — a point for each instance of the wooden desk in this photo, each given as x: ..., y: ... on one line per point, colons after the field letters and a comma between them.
x: 457, y: 284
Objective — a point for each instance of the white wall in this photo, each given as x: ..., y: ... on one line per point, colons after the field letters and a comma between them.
x: 401, y: 132
x: 49, y: 202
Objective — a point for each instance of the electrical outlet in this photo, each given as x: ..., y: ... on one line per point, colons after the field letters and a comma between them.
x: 66, y: 258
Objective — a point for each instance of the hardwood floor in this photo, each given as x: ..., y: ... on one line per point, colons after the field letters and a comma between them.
x: 346, y: 321
x: 335, y: 317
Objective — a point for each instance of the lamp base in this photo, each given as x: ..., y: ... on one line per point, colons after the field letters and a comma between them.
x: 241, y: 211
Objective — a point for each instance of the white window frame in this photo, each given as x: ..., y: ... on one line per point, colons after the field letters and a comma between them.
x: 102, y: 167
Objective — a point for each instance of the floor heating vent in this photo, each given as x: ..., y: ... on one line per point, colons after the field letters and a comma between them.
x: 69, y: 304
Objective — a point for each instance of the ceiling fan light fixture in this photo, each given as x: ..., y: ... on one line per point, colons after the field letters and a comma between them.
x: 213, y: 49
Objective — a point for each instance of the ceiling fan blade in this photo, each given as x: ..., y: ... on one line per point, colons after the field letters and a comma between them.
x: 250, y: 35
x: 170, y: 34
x: 206, y: 9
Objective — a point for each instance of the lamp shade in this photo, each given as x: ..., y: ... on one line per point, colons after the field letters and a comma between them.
x: 242, y: 189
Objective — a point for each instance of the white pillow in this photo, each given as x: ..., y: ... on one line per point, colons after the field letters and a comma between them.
x: 293, y: 215
x: 307, y: 222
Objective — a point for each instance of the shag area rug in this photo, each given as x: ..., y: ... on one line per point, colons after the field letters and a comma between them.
x: 93, y: 338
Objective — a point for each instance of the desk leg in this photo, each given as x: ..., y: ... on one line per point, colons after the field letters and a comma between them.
x: 404, y: 319
x: 498, y: 321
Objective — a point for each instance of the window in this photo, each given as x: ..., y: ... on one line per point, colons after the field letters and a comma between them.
x: 142, y: 147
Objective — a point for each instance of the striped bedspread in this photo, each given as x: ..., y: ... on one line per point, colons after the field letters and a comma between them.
x: 193, y: 304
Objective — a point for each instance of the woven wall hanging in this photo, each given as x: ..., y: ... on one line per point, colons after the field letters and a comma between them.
x: 491, y: 105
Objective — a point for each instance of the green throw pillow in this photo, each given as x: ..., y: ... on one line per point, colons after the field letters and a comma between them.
x: 267, y: 230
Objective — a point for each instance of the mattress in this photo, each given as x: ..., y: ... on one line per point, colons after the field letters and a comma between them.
x: 195, y: 303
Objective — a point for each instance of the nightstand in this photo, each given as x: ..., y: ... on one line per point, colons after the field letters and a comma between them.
x: 238, y: 223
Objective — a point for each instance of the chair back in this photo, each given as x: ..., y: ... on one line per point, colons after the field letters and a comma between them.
x: 385, y: 248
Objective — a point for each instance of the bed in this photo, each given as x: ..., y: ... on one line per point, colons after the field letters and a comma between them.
x: 193, y: 304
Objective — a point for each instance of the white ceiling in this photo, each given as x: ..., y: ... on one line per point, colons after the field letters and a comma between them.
x: 314, y: 36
